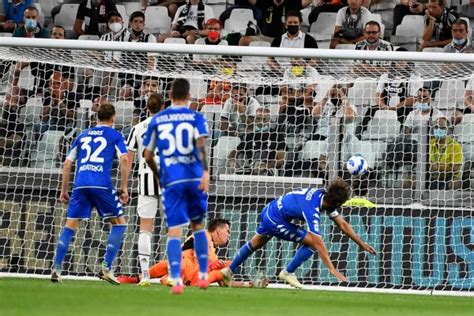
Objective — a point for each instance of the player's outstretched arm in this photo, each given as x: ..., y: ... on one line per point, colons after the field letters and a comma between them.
x: 124, y: 173
x: 318, y: 243
x: 201, y: 144
x: 347, y: 229
x: 64, y: 197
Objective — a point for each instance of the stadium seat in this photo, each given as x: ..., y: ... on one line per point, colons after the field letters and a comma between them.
x: 175, y: 40
x: 221, y: 151
x: 67, y: 15
x: 346, y: 46
x: 123, y: 12
x: 218, y: 6
x: 40, y: 10
x: 47, y: 152
x: 411, y: 26
x: 31, y: 112
x: 88, y: 38
x: 131, y: 7
x: 384, y: 126
x: 212, y: 113
x: 198, y: 85
x: 5, y: 34
x: 27, y: 80
x: 157, y: 19
x: 305, y: 14
x: 238, y: 20
x: 323, y: 85
x: 432, y: 50
x: 124, y: 113
x: 464, y: 132
x: 313, y: 149
x: 323, y: 27
x: 450, y: 94
x: 362, y: 92
x: 260, y: 44
x: 253, y: 63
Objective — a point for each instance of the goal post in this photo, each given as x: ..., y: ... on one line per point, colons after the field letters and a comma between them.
x: 280, y: 119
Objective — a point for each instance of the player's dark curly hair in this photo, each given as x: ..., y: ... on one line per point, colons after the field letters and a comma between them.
x: 337, y: 192
x: 216, y: 223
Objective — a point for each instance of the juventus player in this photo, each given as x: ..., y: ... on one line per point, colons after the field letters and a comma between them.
x: 148, y: 187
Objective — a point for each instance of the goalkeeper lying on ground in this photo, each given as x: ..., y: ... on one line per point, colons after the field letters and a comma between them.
x: 218, y: 233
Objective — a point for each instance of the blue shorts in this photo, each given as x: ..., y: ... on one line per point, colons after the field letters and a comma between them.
x: 281, y: 229
x: 184, y: 202
x: 106, y: 201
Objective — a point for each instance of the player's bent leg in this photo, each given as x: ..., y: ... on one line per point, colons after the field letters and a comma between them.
x: 201, y: 249
x: 64, y: 241
x: 114, y: 243
x: 173, y: 250
x: 159, y: 269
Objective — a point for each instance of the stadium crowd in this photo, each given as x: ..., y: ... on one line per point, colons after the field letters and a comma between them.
x: 269, y: 129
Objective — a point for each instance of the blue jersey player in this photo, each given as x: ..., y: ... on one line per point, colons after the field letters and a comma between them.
x: 180, y: 134
x: 306, y: 205
x: 94, y: 151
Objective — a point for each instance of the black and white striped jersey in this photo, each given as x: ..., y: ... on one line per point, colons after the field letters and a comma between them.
x: 147, y: 182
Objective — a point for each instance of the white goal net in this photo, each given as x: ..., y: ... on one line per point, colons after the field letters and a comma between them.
x: 280, y: 120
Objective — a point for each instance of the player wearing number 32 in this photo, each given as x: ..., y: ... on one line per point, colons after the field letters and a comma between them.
x: 180, y: 136
x: 306, y: 205
x: 94, y: 151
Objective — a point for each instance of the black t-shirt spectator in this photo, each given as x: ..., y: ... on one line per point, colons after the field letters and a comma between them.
x: 308, y: 41
x: 442, y: 27
x: 70, y: 101
x: 272, y: 23
x: 262, y: 146
x: 94, y: 17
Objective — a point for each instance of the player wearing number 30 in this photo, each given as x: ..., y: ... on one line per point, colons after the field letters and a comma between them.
x: 148, y: 188
x: 94, y: 151
x: 180, y: 134
x: 306, y: 205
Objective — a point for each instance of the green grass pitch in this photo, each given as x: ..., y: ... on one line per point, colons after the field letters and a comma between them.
x: 37, y: 297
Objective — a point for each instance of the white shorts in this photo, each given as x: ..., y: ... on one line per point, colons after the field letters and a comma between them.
x: 147, y: 206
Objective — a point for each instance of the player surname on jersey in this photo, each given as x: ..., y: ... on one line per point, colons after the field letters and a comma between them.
x: 175, y: 118
x: 148, y: 184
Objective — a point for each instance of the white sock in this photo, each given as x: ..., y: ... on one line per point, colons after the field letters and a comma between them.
x: 144, y: 252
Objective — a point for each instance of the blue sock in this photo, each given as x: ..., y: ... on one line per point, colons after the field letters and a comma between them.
x: 63, y: 244
x: 174, y: 257
x: 303, y: 254
x: 201, y: 250
x: 114, y: 243
x: 241, y: 256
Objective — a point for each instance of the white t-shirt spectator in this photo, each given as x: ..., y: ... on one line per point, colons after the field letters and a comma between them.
x: 230, y: 113
x: 330, y: 110
x: 416, y: 119
x: 395, y: 90
x: 352, y: 20
x: 192, y: 19
x: 203, y: 41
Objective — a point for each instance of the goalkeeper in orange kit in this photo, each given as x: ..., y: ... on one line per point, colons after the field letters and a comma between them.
x: 218, y: 234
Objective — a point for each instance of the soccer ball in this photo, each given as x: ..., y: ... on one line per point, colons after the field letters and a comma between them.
x: 357, y: 165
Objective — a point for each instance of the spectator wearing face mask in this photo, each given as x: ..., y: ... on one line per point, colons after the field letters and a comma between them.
x: 238, y: 113
x: 213, y: 30
x: 261, y: 152
x: 92, y: 14
x: 461, y: 42
x: 446, y: 158
x: 31, y: 27
x: 337, y: 104
x: 293, y: 38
